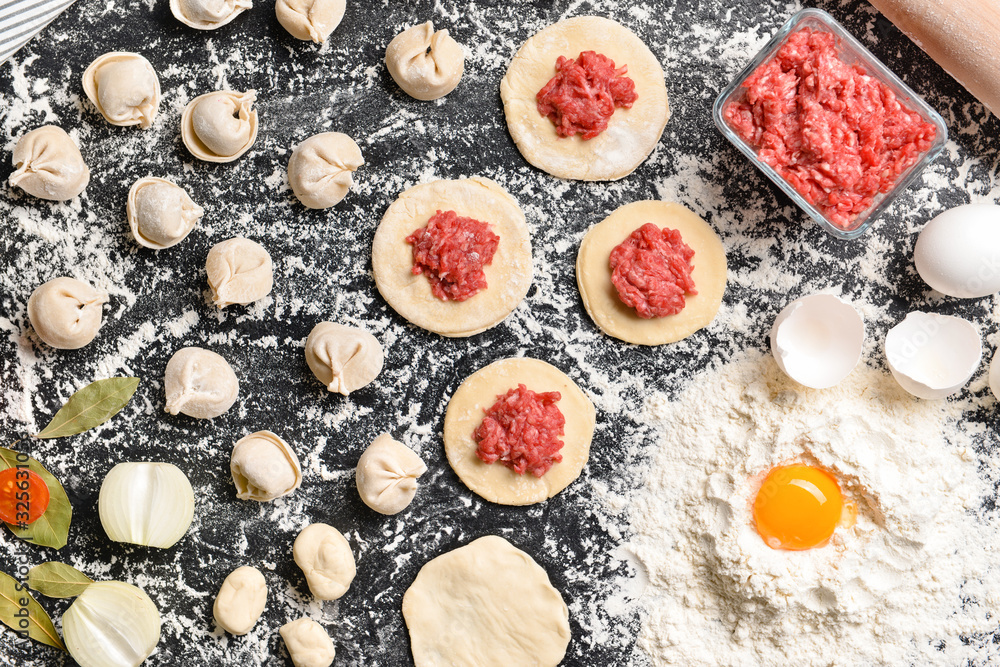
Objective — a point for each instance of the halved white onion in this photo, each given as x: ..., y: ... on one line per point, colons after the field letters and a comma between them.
x: 151, y: 504
x: 111, y: 624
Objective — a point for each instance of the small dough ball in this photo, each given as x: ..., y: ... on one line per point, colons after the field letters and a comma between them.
x: 310, y: 19
x: 241, y: 600
x: 487, y: 604
x: 160, y: 213
x: 208, y: 14
x: 239, y: 272
x: 124, y: 88
x: 425, y: 64
x: 600, y: 297
x: 308, y: 643
x: 343, y: 358
x: 632, y: 134
x: 326, y: 559
x: 264, y: 467
x: 220, y: 126
x: 387, y: 475
x: 66, y: 312
x: 199, y: 383
x: 49, y: 165
x: 321, y: 168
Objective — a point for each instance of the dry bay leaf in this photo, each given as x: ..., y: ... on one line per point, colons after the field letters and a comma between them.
x: 52, y: 528
x: 17, y: 605
x: 91, y: 406
x: 58, y: 580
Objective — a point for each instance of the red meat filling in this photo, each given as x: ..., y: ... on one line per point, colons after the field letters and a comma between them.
x: 837, y: 135
x: 651, y: 269
x: 452, y: 251
x: 521, y: 431
x: 584, y: 93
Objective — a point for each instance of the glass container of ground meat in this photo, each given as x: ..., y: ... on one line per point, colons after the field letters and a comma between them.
x: 828, y: 123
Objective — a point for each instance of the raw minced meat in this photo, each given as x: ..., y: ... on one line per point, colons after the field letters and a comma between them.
x: 584, y: 93
x: 651, y: 269
x: 837, y: 135
x: 452, y: 251
x: 521, y: 431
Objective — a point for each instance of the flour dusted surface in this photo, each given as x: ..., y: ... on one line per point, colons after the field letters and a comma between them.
x: 915, y: 581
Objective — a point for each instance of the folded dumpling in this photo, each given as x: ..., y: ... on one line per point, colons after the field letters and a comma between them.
x: 343, y: 358
x: 239, y: 272
x: 49, y: 165
x: 321, y: 169
x: 160, y: 213
x: 199, y: 383
x: 124, y: 88
x: 208, y: 14
x: 220, y: 126
x: 425, y: 64
x: 66, y: 312
x: 310, y: 19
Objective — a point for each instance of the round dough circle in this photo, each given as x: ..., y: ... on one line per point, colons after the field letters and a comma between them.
x: 508, y: 277
x: 494, y: 481
x: 487, y: 604
x: 600, y: 298
x: 632, y: 134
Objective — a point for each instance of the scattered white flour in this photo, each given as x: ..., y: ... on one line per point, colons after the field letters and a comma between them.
x: 915, y: 581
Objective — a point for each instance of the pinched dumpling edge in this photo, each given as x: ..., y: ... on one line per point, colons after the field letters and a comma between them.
x: 386, y: 475
x: 145, y: 119
x: 61, y: 184
x: 178, y: 363
x: 302, y: 26
x: 218, y: 283
x: 321, y: 163
x: 419, y: 43
x: 373, y: 357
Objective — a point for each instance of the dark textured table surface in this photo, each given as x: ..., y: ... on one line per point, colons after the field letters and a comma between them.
x: 159, y: 300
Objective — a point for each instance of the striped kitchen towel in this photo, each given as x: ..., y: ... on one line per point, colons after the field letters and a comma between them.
x: 20, y: 20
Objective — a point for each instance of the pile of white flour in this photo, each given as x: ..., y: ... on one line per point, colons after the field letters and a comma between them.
x: 915, y: 581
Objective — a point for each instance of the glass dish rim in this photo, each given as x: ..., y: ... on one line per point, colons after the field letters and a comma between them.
x: 874, y: 68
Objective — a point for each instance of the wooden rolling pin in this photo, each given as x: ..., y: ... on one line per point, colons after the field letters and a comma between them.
x: 962, y: 36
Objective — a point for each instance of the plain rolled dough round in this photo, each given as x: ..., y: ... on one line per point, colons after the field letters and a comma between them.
x: 494, y: 481
x: 632, y: 134
x: 600, y: 298
x: 487, y: 604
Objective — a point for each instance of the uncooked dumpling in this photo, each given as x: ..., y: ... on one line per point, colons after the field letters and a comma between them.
x: 425, y: 64
x: 310, y: 19
x: 326, y: 559
x: 220, y: 126
x: 387, y: 475
x: 49, y: 165
x: 160, y: 213
x: 199, y: 383
x: 208, y: 14
x: 487, y: 604
x: 343, y: 358
x: 239, y: 271
x: 264, y: 467
x: 124, y: 88
x: 66, y: 312
x: 321, y: 168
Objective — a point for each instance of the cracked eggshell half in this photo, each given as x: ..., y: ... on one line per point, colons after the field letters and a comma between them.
x: 817, y: 340
x: 933, y: 356
x: 958, y: 252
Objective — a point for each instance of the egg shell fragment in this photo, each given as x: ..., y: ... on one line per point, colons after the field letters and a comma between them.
x: 958, y: 252
x: 817, y: 340
x: 933, y: 356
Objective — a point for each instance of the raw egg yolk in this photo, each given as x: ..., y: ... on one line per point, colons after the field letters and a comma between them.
x: 798, y: 507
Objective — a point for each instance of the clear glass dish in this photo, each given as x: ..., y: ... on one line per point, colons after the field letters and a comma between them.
x: 852, y: 52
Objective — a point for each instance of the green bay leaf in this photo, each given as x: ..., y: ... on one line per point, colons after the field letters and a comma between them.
x: 91, y: 406
x: 17, y: 604
x: 52, y: 528
x: 58, y: 580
